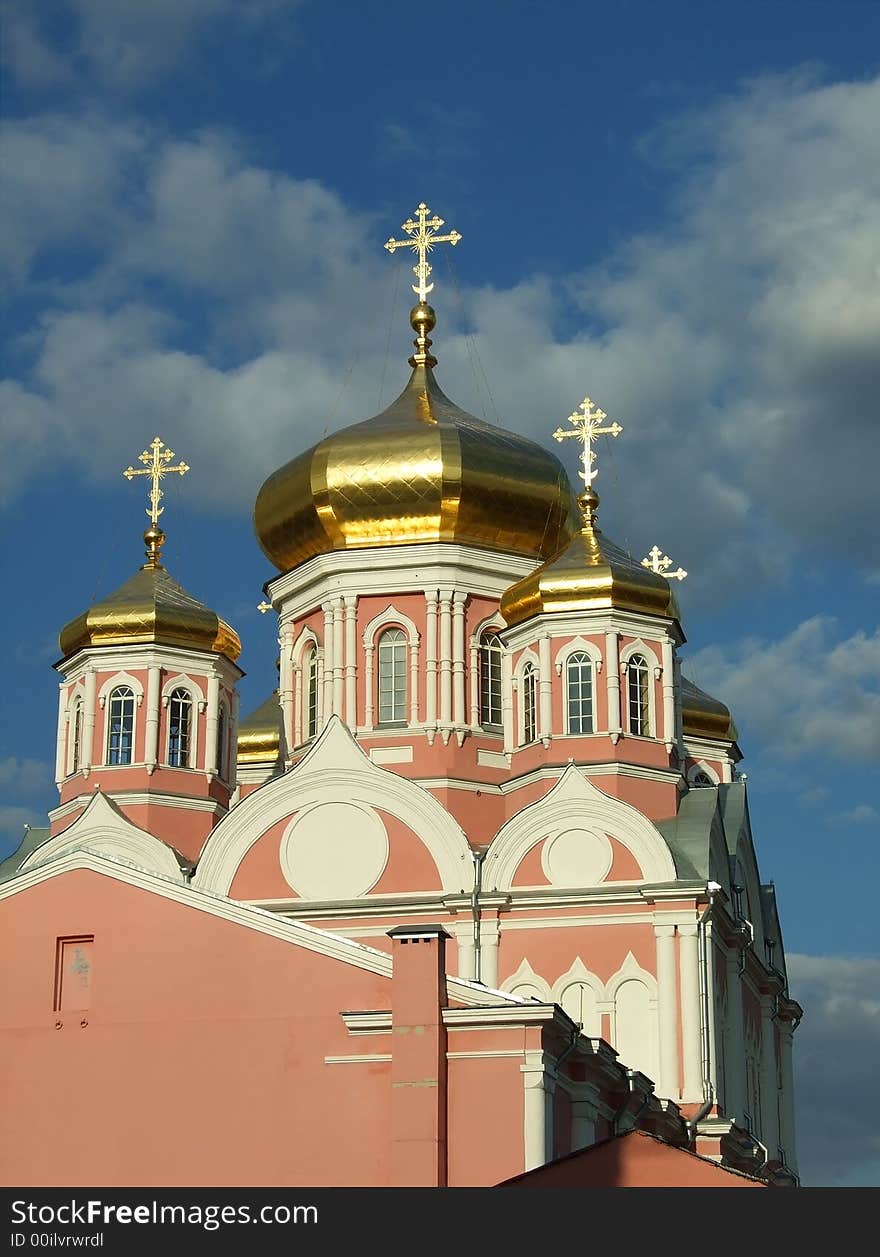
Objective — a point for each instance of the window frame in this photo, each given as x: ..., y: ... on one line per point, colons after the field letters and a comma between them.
x: 399, y: 646
x: 123, y: 693
x: 580, y: 657
x: 189, y: 734
x: 638, y: 664
x: 528, y: 703
x: 486, y: 650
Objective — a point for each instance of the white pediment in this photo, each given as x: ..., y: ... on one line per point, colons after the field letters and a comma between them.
x: 103, y: 829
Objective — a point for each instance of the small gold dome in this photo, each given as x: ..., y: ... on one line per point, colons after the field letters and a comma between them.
x: 703, y: 716
x: 151, y: 607
x: 422, y: 470
x: 589, y: 572
x: 259, y: 734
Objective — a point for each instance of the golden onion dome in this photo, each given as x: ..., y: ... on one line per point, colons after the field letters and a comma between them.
x: 703, y: 716
x: 151, y: 608
x: 589, y: 572
x: 422, y: 470
x: 259, y: 734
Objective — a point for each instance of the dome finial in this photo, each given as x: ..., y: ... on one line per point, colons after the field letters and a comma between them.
x: 157, y: 457
x: 659, y: 562
x: 587, y: 426
x: 422, y: 236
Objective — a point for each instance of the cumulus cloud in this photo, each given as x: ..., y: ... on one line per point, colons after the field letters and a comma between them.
x: 837, y: 1134
x: 25, y: 786
x: 736, y: 346
x: 862, y: 814
x: 810, y: 691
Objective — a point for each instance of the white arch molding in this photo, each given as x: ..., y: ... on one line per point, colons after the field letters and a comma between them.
x: 527, y: 984
x: 575, y: 803
x: 335, y: 768
x: 391, y: 618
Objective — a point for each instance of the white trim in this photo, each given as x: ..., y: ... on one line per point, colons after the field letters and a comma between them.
x: 526, y: 976
x: 579, y: 975
x: 702, y: 767
x: 336, y: 767
x: 573, y: 647
x: 198, y: 704
x: 121, y: 678
x: 528, y: 656
x: 563, y: 659
x: 629, y: 971
x: 103, y: 830
x: 655, y: 671
x: 76, y: 694
x: 574, y: 800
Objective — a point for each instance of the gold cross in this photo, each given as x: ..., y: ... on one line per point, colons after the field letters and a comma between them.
x: 588, y: 426
x: 423, y: 237
x: 263, y: 607
x: 157, y: 467
x: 659, y: 562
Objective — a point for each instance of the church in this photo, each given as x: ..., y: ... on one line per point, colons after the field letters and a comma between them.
x: 469, y: 900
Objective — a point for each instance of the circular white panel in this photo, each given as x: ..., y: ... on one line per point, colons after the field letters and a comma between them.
x: 576, y: 857
x: 334, y: 851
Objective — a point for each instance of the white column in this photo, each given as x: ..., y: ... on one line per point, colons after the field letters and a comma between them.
x: 414, y: 681
x: 475, y: 684
x: 464, y: 935
x: 490, y: 936
x: 232, y: 772
x: 735, y: 1053
x: 770, y: 1135
x: 431, y: 662
x: 338, y: 644
x: 689, y: 988
x: 211, y: 718
x: 368, y: 682
x: 445, y: 658
x: 668, y: 696
x: 546, y: 689
x: 612, y: 683
x: 327, y: 608
x: 538, y: 1111
x: 89, y: 719
x: 288, y: 690
x: 583, y: 1124
x: 786, y: 1123
x: 297, y: 690
x: 63, y: 737
x: 458, y: 661
x: 507, y: 700
x: 351, y: 661
x: 667, y: 1011
x: 679, y: 729
x: 151, y: 751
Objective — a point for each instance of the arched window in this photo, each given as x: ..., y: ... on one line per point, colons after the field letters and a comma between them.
x: 221, y: 742
x: 702, y: 779
x: 312, y: 694
x: 529, y: 704
x: 491, y: 650
x: 579, y: 692
x: 120, y: 741
x: 76, y: 751
x: 392, y: 677
x: 180, y: 717
x: 637, y: 694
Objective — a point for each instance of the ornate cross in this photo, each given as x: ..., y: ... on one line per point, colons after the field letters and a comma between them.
x: 422, y: 238
x: 588, y: 426
x: 659, y: 562
x: 264, y: 606
x: 157, y: 467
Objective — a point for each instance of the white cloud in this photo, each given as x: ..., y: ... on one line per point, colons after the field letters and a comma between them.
x: 22, y: 777
x: 809, y: 692
x: 837, y: 1133
x: 736, y: 347
x: 121, y: 44
x: 862, y: 814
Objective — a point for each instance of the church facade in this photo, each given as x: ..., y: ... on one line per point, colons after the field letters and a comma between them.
x: 473, y: 889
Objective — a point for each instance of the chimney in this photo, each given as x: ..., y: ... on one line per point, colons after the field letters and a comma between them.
x: 418, y: 1056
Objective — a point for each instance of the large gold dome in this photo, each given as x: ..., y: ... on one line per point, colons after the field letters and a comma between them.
x: 422, y: 470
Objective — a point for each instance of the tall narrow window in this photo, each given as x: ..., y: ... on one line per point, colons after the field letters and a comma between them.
x: 490, y: 680
x: 120, y: 745
x: 76, y: 751
x: 180, y: 718
x: 579, y: 692
x: 221, y: 742
x: 312, y: 695
x: 637, y: 690
x: 529, y: 705
x: 392, y: 677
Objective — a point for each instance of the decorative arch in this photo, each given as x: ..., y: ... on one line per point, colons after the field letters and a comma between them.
x: 527, y: 984
x: 76, y: 696
x: 198, y: 702
x: 390, y: 618
x: 104, y: 830
x: 528, y: 658
x: 307, y: 638
x: 121, y: 678
x: 492, y: 623
x: 184, y: 682
x: 702, y: 767
x: 571, y: 648
x: 305, y: 646
x: 574, y: 801
x: 588, y: 1004
x: 634, y: 1022
x: 655, y: 671
x: 334, y: 768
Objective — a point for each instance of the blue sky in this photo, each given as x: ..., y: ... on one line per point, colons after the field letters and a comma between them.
x: 675, y: 208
